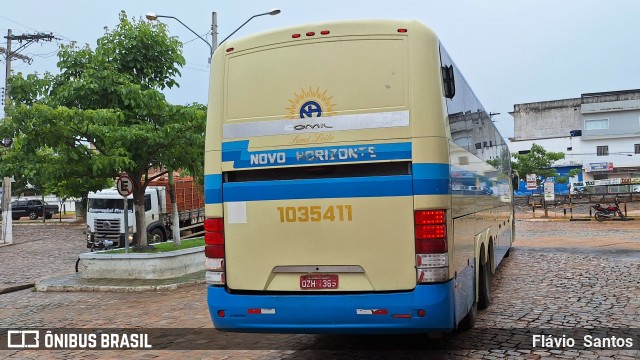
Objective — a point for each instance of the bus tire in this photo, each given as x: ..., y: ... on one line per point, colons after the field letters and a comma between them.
x: 484, y: 291
x: 469, y: 321
x: 507, y: 253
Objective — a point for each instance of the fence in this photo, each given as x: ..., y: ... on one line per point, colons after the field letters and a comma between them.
x: 578, y: 207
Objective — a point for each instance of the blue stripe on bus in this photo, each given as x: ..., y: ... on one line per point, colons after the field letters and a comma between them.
x: 238, y: 152
x: 213, y: 189
x: 427, y: 179
x: 431, y: 179
x: 307, y: 313
x: 371, y: 186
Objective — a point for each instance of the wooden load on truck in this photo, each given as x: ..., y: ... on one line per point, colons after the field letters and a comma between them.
x: 189, y: 194
x: 190, y: 202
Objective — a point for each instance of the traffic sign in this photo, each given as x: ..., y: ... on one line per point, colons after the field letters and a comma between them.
x: 532, y: 184
x: 549, y: 192
x: 124, y: 185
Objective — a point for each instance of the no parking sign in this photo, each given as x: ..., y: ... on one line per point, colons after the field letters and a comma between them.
x: 124, y: 185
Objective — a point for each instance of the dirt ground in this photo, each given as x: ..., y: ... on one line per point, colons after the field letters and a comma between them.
x: 612, y: 235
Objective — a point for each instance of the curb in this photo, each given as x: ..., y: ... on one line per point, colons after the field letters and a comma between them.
x: 16, y: 288
x: 74, y: 282
x: 541, y: 219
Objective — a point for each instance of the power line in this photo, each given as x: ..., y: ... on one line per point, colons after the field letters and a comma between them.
x: 17, y: 23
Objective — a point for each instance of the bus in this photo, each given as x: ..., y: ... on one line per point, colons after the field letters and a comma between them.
x: 353, y: 183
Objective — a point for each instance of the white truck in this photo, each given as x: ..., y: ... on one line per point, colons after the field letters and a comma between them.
x: 105, y: 215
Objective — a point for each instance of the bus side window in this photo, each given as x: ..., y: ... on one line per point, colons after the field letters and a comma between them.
x: 449, y: 82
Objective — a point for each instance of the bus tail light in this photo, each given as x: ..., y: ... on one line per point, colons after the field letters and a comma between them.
x: 214, y: 251
x: 431, y: 246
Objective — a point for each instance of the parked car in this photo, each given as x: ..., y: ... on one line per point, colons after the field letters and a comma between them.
x: 32, y: 208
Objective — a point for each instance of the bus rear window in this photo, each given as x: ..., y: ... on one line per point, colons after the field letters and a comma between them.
x: 332, y: 72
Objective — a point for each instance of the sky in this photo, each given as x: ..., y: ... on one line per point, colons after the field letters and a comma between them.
x: 510, y: 51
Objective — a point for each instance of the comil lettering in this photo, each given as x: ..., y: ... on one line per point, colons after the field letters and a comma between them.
x: 268, y: 158
x: 301, y: 127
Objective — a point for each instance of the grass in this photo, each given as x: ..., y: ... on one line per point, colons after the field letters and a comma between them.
x: 163, y: 247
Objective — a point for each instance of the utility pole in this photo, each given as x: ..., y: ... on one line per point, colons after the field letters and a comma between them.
x: 24, y: 41
x: 214, y: 33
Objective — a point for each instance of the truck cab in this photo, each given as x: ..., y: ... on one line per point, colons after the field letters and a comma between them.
x: 105, y: 217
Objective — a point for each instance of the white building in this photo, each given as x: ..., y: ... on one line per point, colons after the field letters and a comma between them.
x: 598, y: 132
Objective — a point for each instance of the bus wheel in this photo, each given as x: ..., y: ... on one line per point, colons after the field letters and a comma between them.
x: 484, y: 291
x: 470, y: 320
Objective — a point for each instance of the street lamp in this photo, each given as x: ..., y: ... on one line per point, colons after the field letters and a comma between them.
x: 272, y: 12
x: 214, y: 26
x: 154, y: 16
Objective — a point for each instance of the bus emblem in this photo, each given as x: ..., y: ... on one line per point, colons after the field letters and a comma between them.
x: 310, y: 104
x: 310, y: 109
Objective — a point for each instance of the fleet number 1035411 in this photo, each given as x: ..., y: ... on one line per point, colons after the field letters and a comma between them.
x: 315, y: 213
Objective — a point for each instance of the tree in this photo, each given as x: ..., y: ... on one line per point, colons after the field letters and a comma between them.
x: 104, y: 114
x: 47, y: 172
x: 539, y: 161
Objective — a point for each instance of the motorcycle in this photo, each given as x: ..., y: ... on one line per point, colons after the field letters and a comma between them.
x: 580, y: 190
x: 609, y: 212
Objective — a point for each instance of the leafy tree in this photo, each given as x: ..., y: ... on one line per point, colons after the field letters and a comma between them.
x: 47, y: 172
x: 538, y: 161
x: 104, y: 114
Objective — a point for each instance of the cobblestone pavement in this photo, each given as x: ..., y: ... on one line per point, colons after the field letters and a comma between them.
x: 562, y: 278
x: 39, y: 251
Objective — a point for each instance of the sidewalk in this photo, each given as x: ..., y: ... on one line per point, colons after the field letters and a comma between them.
x: 45, y: 255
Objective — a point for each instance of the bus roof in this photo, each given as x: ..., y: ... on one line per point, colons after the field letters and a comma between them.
x: 334, y: 28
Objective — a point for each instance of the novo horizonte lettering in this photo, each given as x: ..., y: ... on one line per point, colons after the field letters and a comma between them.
x: 312, y: 155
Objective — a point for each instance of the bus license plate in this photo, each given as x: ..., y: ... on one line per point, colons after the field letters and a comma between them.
x: 315, y: 282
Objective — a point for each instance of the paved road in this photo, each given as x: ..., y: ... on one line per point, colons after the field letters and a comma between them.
x: 39, y: 251
x: 561, y: 275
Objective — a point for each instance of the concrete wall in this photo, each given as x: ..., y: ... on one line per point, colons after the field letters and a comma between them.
x: 548, y: 119
x: 98, y: 265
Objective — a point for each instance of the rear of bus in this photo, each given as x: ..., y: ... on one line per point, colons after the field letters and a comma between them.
x: 327, y: 181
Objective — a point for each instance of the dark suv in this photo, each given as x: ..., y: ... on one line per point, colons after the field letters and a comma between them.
x: 33, y: 209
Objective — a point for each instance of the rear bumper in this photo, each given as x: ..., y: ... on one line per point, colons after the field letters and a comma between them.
x: 336, y: 313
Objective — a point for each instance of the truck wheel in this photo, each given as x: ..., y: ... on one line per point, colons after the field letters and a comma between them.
x: 48, y: 216
x: 15, y: 217
x: 156, y: 236
x: 33, y: 215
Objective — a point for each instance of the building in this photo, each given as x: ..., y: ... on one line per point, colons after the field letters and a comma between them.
x: 599, y: 133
